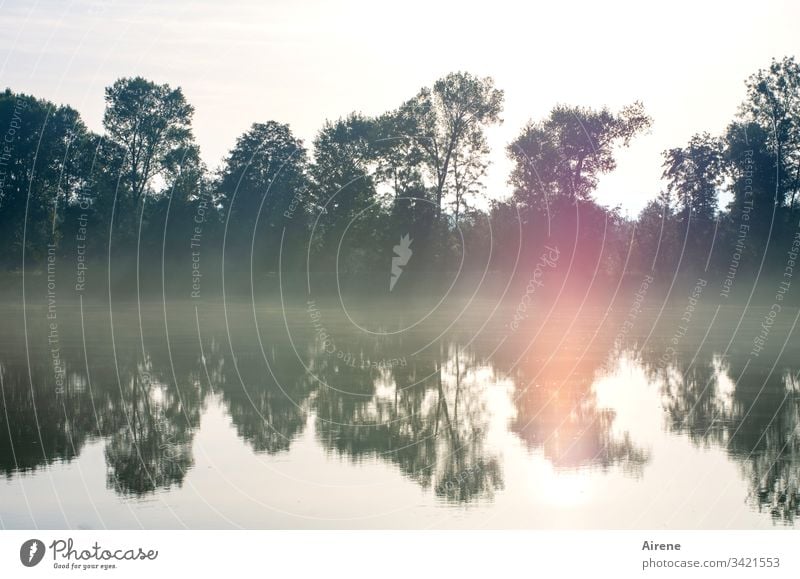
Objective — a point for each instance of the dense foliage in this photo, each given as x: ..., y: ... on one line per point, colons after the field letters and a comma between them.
x: 276, y: 206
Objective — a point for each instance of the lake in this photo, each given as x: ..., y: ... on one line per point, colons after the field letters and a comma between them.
x: 327, y: 413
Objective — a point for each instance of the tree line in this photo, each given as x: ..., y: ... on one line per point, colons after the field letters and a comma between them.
x: 729, y: 207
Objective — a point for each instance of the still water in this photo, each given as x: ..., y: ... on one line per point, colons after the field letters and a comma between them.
x: 315, y: 415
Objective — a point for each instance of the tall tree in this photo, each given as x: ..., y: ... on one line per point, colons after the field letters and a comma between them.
x: 562, y: 157
x: 344, y: 189
x: 773, y: 102
x: 263, y: 185
x: 756, y: 197
x: 43, y: 164
x: 447, y: 125
x: 695, y: 173
x: 152, y: 125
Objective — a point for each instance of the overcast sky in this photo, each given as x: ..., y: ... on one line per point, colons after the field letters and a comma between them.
x: 302, y: 62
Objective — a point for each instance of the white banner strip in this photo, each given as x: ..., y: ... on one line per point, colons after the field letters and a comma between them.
x: 353, y: 554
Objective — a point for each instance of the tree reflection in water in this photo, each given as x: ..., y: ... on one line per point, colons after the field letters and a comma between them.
x: 427, y: 415
x: 749, y: 410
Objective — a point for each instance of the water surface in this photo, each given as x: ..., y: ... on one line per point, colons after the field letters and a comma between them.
x: 313, y: 416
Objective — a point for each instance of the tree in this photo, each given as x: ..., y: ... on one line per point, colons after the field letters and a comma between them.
x: 447, y: 126
x: 398, y: 158
x: 656, y: 244
x: 557, y: 164
x: 750, y: 166
x: 261, y: 186
x: 773, y: 102
x: 43, y: 165
x: 750, y: 169
x: 174, y: 217
x: 152, y: 125
x: 693, y: 174
x: 561, y: 158
x: 345, y: 194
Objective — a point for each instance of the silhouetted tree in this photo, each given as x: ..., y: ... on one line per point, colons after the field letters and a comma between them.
x: 558, y: 161
x: 693, y: 174
x: 447, y: 123
x: 348, y: 209
x: 43, y: 166
x: 773, y: 104
x: 262, y: 186
x: 152, y: 125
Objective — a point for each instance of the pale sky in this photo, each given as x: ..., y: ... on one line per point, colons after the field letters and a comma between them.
x: 301, y: 62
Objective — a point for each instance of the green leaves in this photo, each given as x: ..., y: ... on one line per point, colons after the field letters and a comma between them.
x: 446, y: 126
x: 44, y: 164
x: 562, y: 156
x: 151, y: 123
x: 694, y: 173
